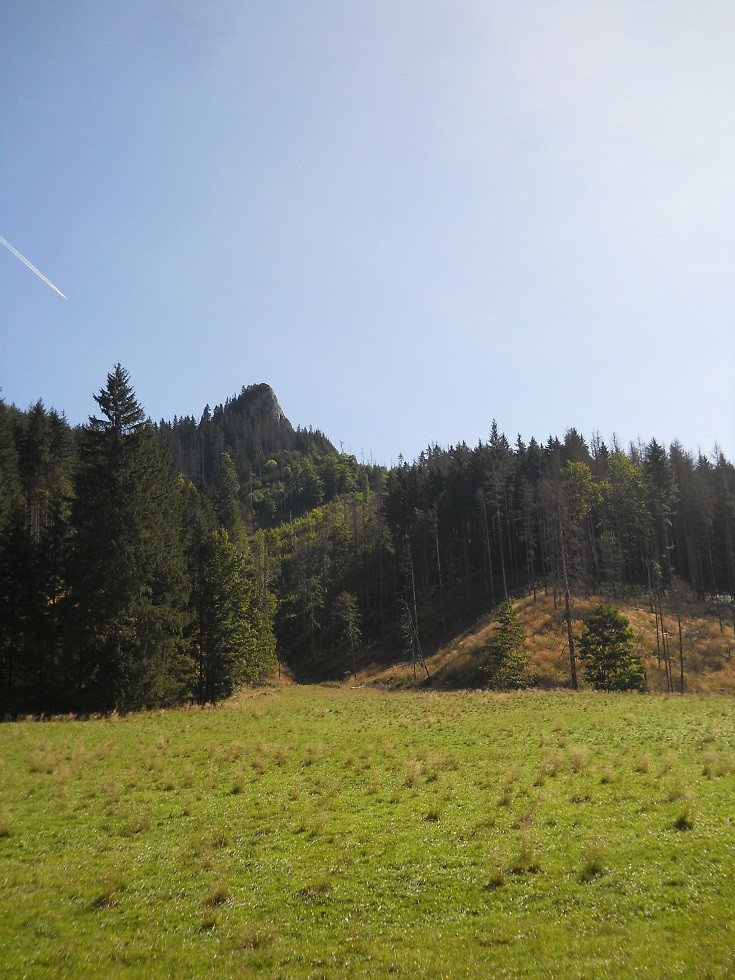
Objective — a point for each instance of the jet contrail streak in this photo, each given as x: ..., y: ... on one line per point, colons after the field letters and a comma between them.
x: 25, y: 261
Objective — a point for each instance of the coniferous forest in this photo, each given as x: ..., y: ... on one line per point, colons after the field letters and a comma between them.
x: 146, y: 564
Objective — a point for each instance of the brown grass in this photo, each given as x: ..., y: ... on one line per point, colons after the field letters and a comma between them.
x: 709, y: 653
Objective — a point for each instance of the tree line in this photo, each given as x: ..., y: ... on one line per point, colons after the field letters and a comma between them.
x: 148, y: 564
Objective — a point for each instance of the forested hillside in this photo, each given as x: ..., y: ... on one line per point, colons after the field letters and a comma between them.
x: 122, y: 585
x: 283, y: 471
x: 148, y: 564
x: 460, y: 530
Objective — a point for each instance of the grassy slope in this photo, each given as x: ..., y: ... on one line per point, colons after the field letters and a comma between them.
x: 319, y: 831
x: 709, y: 653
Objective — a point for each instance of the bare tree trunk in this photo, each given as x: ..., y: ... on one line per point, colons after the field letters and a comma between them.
x: 502, y: 553
x: 714, y: 583
x: 664, y: 641
x: 681, y: 644
x: 487, y: 545
x: 568, y: 609
x: 439, y: 568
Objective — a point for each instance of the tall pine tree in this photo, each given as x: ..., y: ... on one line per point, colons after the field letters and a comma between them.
x: 128, y: 577
x: 231, y: 628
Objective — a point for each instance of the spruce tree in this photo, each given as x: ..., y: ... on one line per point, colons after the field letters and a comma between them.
x: 11, y: 526
x: 19, y: 613
x: 347, y: 612
x: 36, y: 470
x: 128, y: 576
x: 10, y: 493
x: 226, y: 498
x: 231, y: 633
x: 606, y: 649
x: 506, y: 659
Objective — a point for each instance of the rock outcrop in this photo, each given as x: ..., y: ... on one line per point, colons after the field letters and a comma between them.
x: 260, y: 401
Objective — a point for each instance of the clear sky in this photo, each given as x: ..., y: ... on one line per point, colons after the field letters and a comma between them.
x: 408, y: 216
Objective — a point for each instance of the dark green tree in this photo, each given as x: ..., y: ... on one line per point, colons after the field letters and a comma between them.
x: 14, y: 554
x: 10, y: 492
x: 232, y: 634
x: 128, y: 578
x: 32, y: 555
x: 226, y: 497
x: 20, y: 611
x: 505, y: 663
x: 606, y: 649
x: 347, y: 612
x: 662, y: 501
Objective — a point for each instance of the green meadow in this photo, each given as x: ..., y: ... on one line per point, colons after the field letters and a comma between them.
x: 317, y: 831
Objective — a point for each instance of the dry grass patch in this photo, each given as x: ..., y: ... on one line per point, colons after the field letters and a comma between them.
x: 709, y: 652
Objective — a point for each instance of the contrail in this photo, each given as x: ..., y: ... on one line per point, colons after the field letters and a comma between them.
x: 25, y: 261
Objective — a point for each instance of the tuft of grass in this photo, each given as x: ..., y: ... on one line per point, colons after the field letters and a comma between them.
x: 315, y: 891
x: 41, y: 762
x: 551, y: 764
x: 139, y: 822
x: 480, y: 826
x: 607, y: 774
x: 313, y: 824
x: 219, y: 893
x: 712, y: 732
x: 6, y: 824
x: 210, y: 919
x: 678, y: 791
x: 112, y: 790
x: 413, y: 774
x: 253, y: 938
x: 577, y: 758
x: 580, y: 798
x: 111, y: 885
x: 506, y: 796
x: 526, y: 860
x: 496, y: 879
x: 593, y: 862
x: 314, y: 754
x: 709, y: 764
x: 684, y: 820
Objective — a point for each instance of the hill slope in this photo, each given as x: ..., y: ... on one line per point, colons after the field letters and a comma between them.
x: 709, y: 651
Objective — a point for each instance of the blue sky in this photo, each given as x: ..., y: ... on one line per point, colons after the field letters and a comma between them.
x: 409, y: 217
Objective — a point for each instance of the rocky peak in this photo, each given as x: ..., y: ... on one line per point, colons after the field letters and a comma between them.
x: 260, y: 400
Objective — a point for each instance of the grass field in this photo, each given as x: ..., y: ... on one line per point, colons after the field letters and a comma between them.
x: 323, y: 831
